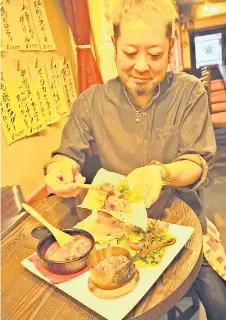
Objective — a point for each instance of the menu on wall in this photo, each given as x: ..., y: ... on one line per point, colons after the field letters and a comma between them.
x: 18, y: 31
x: 27, y: 103
x: 56, y: 86
x: 21, y: 90
x: 42, y: 25
x: 11, y: 117
x: 35, y: 96
x: 42, y: 92
x: 68, y: 83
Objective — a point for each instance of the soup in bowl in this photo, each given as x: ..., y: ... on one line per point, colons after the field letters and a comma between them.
x: 69, y: 259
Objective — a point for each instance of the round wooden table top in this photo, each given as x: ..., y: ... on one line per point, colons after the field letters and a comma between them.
x: 25, y: 296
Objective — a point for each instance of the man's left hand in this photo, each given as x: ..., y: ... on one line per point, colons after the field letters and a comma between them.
x: 148, y: 181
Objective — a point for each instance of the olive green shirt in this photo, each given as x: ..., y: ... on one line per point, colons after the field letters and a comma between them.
x: 175, y: 125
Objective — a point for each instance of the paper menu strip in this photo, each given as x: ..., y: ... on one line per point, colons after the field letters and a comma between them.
x: 42, y: 25
x: 6, y: 29
x: 42, y: 92
x: 56, y: 86
x: 68, y: 83
x: 8, y: 41
x: 11, y: 117
x: 26, y: 101
x: 18, y: 31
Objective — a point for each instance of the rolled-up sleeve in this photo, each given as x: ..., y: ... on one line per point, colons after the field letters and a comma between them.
x: 77, y: 134
x: 197, y: 139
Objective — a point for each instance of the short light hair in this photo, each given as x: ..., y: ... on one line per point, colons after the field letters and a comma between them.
x: 143, y: 9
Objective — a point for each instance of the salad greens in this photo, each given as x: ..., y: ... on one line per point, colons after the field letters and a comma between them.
x: 135, y: 236
x: 149, y: 239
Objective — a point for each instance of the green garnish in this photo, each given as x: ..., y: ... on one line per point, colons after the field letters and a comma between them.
x: 135, y: 197
x: 123, y: 186
x: 96, y: 199
x: 132, y: 196
x: 123, y: 243
x: 135, y: 236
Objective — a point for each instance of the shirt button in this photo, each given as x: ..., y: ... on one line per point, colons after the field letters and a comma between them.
x: 144, y: 113
x: 145, y: 141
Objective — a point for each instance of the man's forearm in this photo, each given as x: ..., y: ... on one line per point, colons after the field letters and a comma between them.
x: 183, y: 172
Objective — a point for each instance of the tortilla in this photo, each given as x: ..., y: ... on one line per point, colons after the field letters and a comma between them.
x: 94, y: 201
x: 103, y: 229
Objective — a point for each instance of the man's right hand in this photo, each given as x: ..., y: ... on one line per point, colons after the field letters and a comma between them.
x: 61, y: 178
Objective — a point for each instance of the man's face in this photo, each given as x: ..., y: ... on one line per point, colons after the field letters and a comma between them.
x: 142, y: 55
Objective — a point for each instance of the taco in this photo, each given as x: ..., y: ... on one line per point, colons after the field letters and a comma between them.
x: 119, y: 200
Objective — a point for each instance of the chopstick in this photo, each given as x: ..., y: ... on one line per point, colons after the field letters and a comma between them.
x: 88, y: 186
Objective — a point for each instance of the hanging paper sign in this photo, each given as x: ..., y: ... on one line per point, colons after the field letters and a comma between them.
x: 28, y: 105
x: 42, y: 25
x: 56, y: 87
x: 18, y: 32
x: 42, y: 92
x: 11, y: 117
x: 6, y: 29
x: 68, y: 83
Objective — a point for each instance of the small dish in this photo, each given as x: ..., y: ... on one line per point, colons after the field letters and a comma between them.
x: 106, y: 279
x: 61, y: 267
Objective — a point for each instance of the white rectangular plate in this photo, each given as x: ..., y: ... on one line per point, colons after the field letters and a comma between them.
x: 117, y: 309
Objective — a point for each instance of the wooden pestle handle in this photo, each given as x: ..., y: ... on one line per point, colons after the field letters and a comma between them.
x: 37, y: 216
x: 144, y: 252
x: 61, y: 237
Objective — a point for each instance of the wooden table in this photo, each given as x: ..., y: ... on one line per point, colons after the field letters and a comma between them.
x: 25, y: 296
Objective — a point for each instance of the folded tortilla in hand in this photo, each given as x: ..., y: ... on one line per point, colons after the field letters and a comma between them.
x: 117, y: 199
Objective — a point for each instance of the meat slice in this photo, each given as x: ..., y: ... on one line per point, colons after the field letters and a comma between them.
x: 108, y: 187
x: 116, y: 204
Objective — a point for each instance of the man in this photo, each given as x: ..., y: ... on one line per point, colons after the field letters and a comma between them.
x: 146, y: 114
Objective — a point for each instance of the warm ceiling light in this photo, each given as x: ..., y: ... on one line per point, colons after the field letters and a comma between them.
x: 209, y: 9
